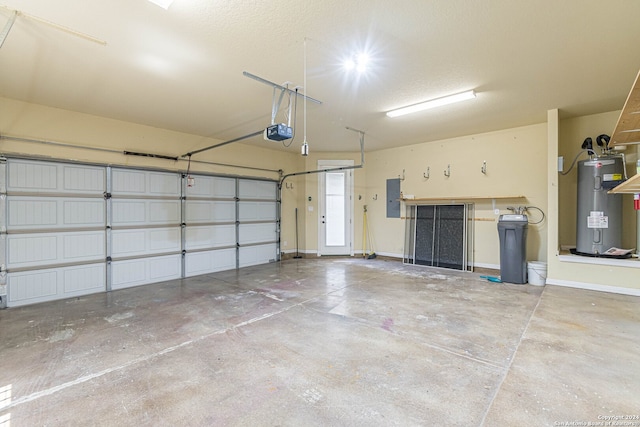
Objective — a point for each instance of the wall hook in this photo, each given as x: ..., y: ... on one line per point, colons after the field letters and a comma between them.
x: 483, y: 169
x: 286, y: 184
x: 447, y: 171
x: 426, y: 174
x: 401, y: 177
x: 375, y: 197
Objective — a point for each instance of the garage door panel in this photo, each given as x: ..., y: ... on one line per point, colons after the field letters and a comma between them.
x: 256, y: 233
x: 128, y: 182
x: 83, y: 246
x: 212, y: 187
x: 46, y: 177
x: 165, y: 268
x: 164, y: 184
x: 32, y: 213
x: 145, y: 212
x: 128, y: 212
x: 125, y: 274
x: 29, y: 287
x: 127, y: 242
x: 212, y: 236
x: 257, y: 211
x: 209, y: 261
x: 83, y: 179
x: 145, y: 241
x: 144, y: 183
x: 29, y: 176
x: 81, y: 280
x: 83, y: 213
x: 202, y: 211
x: 164, y: 211
x: 42, y: 249
x: 255, y: 255
x: 253, y: 189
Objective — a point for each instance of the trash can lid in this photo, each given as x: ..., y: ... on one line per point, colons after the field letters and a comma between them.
x: 512, y: 218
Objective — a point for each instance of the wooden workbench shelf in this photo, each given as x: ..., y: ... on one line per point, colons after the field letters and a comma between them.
x: 627, y: 132
x: 420, y: 200
x: 630, y: 186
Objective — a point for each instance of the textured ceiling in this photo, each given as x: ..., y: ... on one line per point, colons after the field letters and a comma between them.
x: 182, y: 68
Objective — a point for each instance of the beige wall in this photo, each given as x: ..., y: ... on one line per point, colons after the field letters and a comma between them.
x: 516, y: 166
x: 520, y: 162
x: 309, y: 209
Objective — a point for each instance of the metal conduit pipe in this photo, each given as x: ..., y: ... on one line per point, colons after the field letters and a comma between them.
x: 240, y: 138
x: 332, y: 169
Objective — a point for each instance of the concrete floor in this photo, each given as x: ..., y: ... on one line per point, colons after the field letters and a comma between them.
x: 319, y: 342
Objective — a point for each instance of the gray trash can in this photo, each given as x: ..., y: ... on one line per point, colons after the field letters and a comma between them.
x: 512, y: 230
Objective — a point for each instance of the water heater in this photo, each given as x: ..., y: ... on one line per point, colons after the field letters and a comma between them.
x: 599, y: 220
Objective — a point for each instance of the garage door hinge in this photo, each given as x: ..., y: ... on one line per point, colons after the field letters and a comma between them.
x: 108, y: 259
x: 107, y: 195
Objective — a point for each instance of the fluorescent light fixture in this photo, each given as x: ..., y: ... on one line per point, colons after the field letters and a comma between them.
x: 438, y: 102
x: 162, y: 3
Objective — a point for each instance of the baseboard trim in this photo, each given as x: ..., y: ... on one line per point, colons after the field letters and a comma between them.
x: 594, y: 287
x: 489, y: 266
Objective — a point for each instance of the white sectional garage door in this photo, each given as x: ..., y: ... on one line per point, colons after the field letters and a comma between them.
x: 210, y: 225
x: 257, y: 222
x: 145, y: 227
x: 55, y: 224
x: 71, y: 229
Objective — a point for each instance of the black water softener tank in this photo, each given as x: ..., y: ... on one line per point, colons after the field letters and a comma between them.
x: 599, y: 220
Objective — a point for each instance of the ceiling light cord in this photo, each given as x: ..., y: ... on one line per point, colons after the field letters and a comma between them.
x: 305, y: 145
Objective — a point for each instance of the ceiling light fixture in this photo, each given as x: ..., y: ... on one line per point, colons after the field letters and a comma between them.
x: 162, y: 3
x: 438, y: 102
x: 359, y: 63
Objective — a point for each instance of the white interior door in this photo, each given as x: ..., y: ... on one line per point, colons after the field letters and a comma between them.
x: 335, y: 224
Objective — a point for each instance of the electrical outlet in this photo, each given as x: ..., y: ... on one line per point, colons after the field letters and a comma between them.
x: 496, y: 211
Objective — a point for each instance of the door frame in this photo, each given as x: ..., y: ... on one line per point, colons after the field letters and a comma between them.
x: 333, y: 164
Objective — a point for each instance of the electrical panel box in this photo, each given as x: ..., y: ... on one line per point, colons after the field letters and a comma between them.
x: 393, y: 198
x: 278, y: 132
